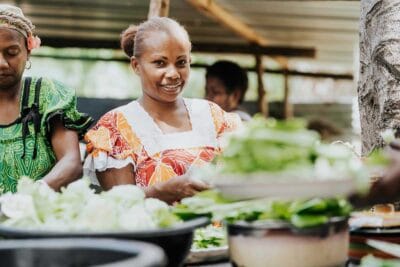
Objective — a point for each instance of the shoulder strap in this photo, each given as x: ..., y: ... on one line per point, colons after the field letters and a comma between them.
x: 25, y: 96
x: 30, y: 114
x: 37, y: 91
x: 36, y: 115
x: 25, y: 112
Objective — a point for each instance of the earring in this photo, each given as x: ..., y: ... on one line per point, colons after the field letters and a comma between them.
x: 28, y: 64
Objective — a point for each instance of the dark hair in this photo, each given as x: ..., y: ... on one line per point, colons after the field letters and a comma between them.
x: 323, y: 127
x: 132, y: 38
x: 232, y: 76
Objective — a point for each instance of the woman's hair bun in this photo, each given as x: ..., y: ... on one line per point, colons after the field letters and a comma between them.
x: 128, y: 39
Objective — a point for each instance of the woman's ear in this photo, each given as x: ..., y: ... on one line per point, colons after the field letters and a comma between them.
x: 135, y: 65
x: 237, y: 94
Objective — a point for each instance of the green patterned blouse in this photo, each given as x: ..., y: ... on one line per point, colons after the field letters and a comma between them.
x: 25, y: 147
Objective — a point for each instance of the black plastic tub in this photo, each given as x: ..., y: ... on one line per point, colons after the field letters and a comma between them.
x: 73, y: 252
x: 279, y: 244
x: 175, y: 241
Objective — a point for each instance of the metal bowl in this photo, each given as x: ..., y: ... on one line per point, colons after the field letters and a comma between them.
x: 279, y: 244
x: 79, y: 252
x: 175, y: 241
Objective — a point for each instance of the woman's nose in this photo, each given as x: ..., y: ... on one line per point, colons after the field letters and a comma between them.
x: 172, y: 73
x: 3, y: 61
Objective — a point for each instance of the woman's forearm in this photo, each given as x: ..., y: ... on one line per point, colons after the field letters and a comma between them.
x: 66, y: 170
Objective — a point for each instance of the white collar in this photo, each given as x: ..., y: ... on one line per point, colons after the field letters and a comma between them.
x: 203, y: 132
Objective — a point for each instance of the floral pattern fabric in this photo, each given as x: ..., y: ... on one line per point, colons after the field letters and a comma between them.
x: 128, y: 135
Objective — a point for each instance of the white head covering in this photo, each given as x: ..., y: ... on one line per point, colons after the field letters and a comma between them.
x: 11, y: 17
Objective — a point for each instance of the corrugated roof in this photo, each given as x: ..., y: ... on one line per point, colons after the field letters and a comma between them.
x: 331, y: 27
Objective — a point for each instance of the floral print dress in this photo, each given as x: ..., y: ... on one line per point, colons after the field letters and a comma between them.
x: 129, y: 135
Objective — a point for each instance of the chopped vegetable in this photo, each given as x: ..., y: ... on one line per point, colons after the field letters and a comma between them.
x: 209, y: 237
x: 78, y: 208
x: 285, y: 151
x: 300, y: 213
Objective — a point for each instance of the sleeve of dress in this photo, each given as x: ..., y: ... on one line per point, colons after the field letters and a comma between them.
x: 109, y: 145
x: 224, y: 122
x: 59, y: 101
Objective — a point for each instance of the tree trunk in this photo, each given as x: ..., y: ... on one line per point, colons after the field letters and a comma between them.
x: 379, y: 84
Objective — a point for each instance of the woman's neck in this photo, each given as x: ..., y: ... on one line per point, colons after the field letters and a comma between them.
x: 170, y: 117
x: 11, y: 94
x: 155, y: 107
x: 9, y: 104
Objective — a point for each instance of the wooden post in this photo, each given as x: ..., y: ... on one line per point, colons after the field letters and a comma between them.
x: 158, y: 8
x: 287, y: 106
x: 262, y: 94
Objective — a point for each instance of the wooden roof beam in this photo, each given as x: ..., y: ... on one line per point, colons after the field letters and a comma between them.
x: 91, y: 40
x: 213, y: 10
x: 254, y: 49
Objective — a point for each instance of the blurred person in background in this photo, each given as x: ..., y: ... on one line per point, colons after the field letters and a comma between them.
x: 156, y: 140
x: 39, y: 123
x: 226, y: 85
x: 326, y: 129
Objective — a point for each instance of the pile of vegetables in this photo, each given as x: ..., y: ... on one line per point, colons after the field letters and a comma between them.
x: 78, y: 208
x: 299, y: 213
x: 286, y: 150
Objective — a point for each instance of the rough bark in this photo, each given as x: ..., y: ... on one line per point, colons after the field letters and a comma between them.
x: 379, y: 83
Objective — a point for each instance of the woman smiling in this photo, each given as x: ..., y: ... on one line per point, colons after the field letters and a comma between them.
x: 153, y: 141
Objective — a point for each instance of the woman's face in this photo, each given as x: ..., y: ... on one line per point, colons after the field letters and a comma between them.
x: 163, y: 66
x: 13, y: 57
x: 217, y: 93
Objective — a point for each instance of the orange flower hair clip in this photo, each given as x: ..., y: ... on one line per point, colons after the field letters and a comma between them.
x: 33, y: 42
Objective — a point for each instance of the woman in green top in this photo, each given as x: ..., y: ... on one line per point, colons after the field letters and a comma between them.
x: 39, y: 123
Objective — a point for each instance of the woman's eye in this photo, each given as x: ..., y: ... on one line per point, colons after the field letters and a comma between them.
x: 182, y: 62
x: 159, y: 63
x: 13, y: 52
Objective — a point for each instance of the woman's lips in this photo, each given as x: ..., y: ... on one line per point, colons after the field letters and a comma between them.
x: 172, y: 87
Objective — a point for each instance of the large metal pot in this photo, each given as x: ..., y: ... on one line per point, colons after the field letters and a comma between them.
x: 279, y: 244
x: 79, y: 252
x: 175, y: 241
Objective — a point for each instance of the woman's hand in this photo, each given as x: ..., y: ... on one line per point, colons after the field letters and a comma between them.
x: 176, y: 188
x: 387, y: 188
